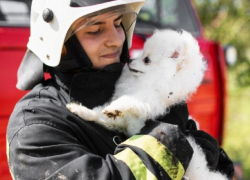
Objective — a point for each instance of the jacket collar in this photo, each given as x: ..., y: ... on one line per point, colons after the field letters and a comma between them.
x: 89, y: 87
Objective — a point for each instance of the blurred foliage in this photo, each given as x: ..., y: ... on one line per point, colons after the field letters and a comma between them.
x: 236, y: 141
x: 228, y: 21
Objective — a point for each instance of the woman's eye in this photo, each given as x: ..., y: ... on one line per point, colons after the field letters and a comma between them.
x: 94, y: 32
x: 118, y: 25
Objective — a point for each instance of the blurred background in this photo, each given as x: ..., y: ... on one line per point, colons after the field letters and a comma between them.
x: 228, y: 21
x: 222, y: 28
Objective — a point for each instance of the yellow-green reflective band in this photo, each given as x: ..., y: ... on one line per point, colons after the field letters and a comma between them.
x: 135, y: 164
x: 159, y: 153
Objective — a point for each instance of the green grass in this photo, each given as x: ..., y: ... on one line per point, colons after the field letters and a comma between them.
x: 237, y: 132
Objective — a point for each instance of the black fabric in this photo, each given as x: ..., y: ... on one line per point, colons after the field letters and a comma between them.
x: 51, y: 142
x: 94, y: 89
x: 177, y: 115
x: 30, y: 71
x: 46, y: 141
x: 172, y: 137
x: 76, y: 57
x: 209, y: 146
x: 191, y: 125
x: 216, y: 157
x: 66, y: 79
x: 62, y: 80
x: 225, y: 164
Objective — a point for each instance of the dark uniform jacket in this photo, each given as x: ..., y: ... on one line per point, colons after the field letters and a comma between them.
x: 46, y: 141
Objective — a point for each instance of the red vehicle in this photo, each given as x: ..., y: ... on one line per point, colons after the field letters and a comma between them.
x: 207, y: 106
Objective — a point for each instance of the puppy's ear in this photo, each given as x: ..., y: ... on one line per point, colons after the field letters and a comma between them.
x: 175, y: 54
x: 184, y: 49
x: 183, y: 54
x: 181, y: 50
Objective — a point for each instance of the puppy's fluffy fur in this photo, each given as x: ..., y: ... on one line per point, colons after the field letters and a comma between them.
x: 169, y: 71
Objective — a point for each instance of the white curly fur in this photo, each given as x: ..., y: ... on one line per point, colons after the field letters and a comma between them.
x: 145, y: 90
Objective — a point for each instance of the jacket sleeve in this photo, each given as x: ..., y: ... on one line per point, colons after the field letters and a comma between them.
x: 45, y: 151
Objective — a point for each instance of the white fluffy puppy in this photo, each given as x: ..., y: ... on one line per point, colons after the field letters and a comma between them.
x: 169, y: 71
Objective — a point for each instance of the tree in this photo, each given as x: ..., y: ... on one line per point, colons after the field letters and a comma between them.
x: 228, y: 21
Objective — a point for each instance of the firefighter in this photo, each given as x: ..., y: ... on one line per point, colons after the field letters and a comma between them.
x: 83, y: 45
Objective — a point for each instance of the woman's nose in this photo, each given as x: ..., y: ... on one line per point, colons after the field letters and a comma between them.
x: 115, y: 37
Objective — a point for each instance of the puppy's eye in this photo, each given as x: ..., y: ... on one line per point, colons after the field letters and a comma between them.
x: 147, y: 60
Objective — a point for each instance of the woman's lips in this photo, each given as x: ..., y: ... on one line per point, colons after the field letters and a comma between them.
x: 110, y: 55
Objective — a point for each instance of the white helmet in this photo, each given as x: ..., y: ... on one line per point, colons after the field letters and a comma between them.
x: 47, y: 38
x: 53, y: 22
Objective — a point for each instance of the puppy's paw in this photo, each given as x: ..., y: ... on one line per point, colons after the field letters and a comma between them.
x: 82, y: 112
x: 113, y: 114
x: 124, y: 106
x: 74, y: 108
x: 119, y: 112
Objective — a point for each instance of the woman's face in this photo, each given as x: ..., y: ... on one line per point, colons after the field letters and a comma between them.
x: 103, y: 41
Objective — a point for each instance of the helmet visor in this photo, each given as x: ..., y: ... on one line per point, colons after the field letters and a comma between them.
x: 127, y: 15
x: 81, y: 3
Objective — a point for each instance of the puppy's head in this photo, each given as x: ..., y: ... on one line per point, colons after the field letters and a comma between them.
x: 161, y: 51
x: 172, y: 62
x: 167, y: 53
